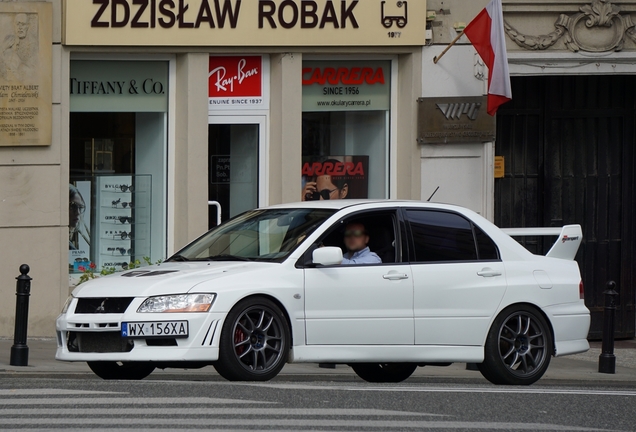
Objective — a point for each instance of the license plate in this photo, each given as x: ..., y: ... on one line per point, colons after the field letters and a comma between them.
x: 176, y: 329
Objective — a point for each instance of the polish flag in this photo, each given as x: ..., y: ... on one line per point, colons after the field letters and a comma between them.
x: 486, y: 33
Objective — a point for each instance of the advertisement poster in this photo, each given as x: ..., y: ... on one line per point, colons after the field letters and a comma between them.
x: 238, y: 82
x: 335, y: 177
x: 79, y: 217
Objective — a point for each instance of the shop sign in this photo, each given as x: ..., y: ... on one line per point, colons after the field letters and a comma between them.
x: 25, y: 74
x: 119, y: 86
x: 238, y: 82
x: 454, y: 120
x: 346, y: 86
x: 244, y: 23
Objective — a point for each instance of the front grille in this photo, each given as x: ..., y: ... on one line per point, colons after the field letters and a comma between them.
x: 103, y: 305
x: 98, y: 342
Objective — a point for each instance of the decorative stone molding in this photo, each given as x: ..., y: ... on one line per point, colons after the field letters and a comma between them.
x: 598, y: 27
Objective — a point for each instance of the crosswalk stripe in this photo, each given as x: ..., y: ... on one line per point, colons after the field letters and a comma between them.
x: 426, y: 389
x: 279, y: 423
x: 130, y: 401
x: 41, y: 392
x: 214, y: 411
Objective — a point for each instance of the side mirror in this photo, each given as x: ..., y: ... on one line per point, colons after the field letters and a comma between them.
x: 327, y: 256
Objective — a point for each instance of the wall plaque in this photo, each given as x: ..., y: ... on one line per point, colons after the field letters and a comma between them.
x: 454, y: 120
x: 25, y: 73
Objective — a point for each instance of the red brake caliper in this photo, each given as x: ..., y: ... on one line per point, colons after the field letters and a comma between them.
x: 239, y: 337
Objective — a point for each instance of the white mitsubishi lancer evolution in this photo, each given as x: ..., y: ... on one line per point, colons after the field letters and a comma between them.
x: 270, y: 287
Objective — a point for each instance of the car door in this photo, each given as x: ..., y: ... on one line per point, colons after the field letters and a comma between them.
x: 363, y: 304
x: 459, y: 280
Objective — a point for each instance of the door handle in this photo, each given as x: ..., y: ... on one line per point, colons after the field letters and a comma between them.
x: 395, y: 276
x: 488, y: 272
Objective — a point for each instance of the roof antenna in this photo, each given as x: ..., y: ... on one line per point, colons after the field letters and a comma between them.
x: 434, y: 192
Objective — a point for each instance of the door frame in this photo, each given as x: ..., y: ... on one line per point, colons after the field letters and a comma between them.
x: 262, y: 121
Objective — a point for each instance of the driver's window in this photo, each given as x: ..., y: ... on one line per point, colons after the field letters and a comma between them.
x: 380, y: 228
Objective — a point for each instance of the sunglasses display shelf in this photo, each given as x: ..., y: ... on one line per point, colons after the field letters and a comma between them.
x: 123, y: 220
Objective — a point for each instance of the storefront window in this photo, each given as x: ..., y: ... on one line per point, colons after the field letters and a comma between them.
x: 346, y: 114
x: 117, y: 184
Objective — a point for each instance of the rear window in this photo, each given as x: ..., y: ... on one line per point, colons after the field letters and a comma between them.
x: 441, y: 236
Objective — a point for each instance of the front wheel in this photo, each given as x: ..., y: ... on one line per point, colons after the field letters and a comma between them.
x: 518, y: 347
x: 384, y: 372
x: 110, y: 370
x: 254, y: 341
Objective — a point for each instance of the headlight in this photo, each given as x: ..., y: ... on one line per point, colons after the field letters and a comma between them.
x: 67, y: 304
x: 178, y: 303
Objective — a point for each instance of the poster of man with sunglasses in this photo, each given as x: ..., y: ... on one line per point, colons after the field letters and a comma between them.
x: 335, y: 177
x: 78, y: 230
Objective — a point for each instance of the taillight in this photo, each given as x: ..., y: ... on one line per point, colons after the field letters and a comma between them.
x: 581, y: 291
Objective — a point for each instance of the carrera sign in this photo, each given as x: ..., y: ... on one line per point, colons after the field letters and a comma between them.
x: 343, y: 75
x: 346, y: 86
x: 236, y: 82
x: 243, y: 22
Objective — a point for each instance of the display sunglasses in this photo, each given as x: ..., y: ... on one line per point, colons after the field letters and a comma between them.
x: 121, y: 250
x: 127, y: 188
x: 124, y: 219
x: 124, y: 235
x: 124, y: 204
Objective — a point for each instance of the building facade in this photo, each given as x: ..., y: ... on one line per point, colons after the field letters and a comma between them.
x: 166, y: 116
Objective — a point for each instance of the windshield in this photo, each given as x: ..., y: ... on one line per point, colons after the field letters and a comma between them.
x: 257, y: 235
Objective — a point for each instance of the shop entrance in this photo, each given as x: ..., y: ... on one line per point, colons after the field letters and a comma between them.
x: 568, y: 144
x: 233, y: 149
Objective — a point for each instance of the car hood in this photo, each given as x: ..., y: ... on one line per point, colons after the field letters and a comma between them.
x: 165, y: 278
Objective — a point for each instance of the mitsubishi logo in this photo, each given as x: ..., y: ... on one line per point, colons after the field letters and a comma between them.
x: 454, y: 111
x: 100, y: 308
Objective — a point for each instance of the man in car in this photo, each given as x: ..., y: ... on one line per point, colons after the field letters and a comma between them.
x: 356, y: 240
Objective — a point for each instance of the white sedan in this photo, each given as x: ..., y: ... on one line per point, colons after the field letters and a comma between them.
x: 267, y: 287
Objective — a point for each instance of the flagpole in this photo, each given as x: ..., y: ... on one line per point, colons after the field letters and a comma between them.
x: 438, y: 58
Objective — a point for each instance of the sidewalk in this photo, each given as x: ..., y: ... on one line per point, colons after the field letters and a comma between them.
x: 576, y: 368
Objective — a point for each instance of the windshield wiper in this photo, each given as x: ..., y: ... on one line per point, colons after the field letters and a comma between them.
x: 178, y: 258
x: 226, y: 257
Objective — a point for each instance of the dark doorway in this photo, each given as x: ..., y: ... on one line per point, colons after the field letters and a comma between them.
x: 568, y: 144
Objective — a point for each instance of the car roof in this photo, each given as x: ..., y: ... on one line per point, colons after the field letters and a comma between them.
x: 348, y: 203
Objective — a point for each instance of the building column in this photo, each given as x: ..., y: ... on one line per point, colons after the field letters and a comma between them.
x: 285, y: 141
x: 190, y: 186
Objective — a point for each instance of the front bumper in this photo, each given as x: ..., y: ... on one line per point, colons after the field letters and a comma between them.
x: 97, y: 337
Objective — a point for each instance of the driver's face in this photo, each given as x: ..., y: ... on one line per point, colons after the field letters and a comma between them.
x: 355, y: 237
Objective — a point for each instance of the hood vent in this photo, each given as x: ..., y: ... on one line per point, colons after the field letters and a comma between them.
x: 140, y: 273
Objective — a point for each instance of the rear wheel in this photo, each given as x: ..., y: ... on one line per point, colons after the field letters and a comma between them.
x: 518, y: 348
x: 384, y: 372
x: 121, y: 371
x: 254, y: 341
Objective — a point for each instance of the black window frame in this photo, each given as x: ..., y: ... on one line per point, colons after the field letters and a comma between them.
x: 411, y: 239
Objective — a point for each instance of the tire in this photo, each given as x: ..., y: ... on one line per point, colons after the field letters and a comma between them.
x: 384, y: 372
x: 121, y: 371
x: 255, y: 341
x: 518, y: 348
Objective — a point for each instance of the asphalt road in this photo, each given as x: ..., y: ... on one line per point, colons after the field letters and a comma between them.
x: 84, y: 402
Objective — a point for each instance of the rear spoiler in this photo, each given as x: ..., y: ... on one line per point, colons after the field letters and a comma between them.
x: 567, y: 244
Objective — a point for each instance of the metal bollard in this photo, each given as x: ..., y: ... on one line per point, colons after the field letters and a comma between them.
x: 607, y: 359
x: 20, y: 350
